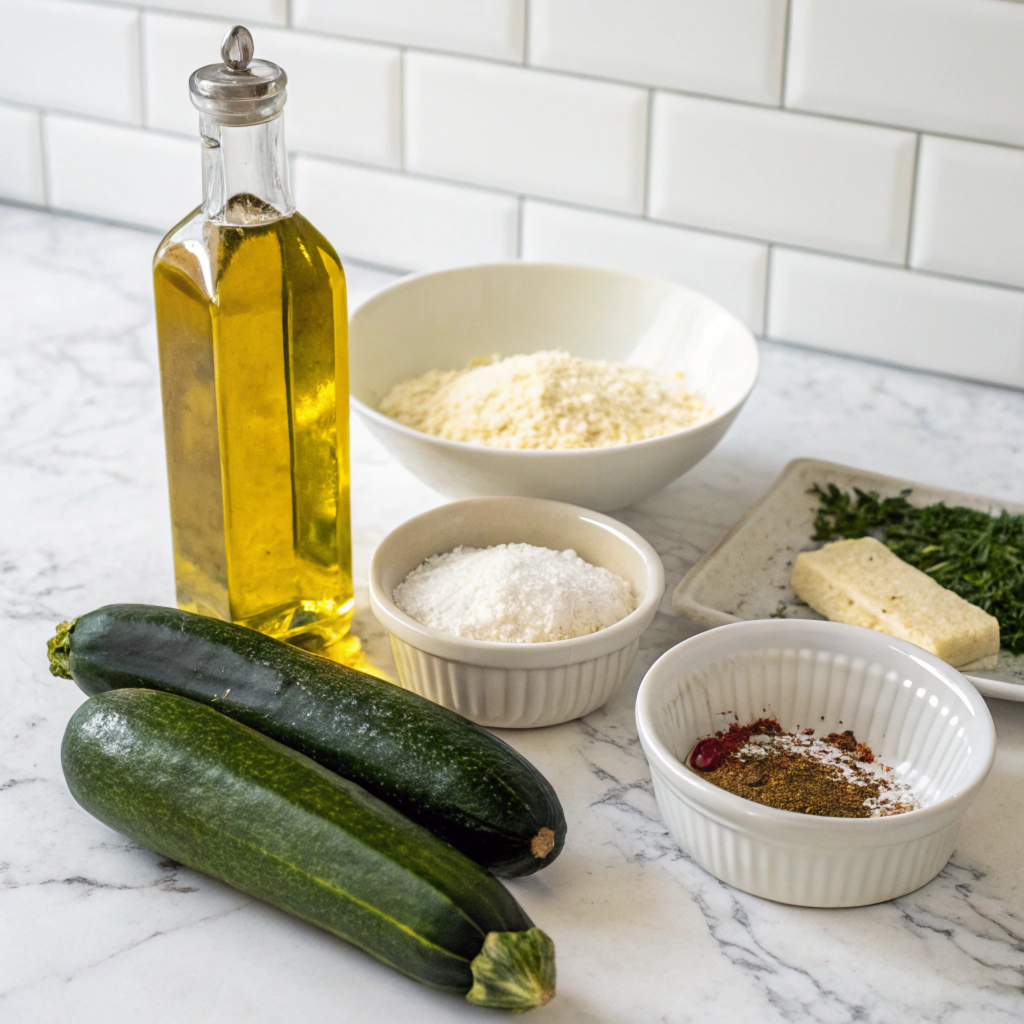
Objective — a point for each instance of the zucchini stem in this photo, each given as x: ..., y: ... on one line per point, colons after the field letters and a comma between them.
x: 514, y: 971
x: 542, y: 843
x: 58, y: 649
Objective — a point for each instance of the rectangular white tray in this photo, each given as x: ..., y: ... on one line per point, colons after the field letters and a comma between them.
x: 746, y: 574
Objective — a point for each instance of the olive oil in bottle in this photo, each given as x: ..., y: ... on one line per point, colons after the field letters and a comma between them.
x: 252, y: 327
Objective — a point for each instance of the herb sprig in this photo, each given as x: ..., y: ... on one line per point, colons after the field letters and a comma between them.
x: 974, y: 554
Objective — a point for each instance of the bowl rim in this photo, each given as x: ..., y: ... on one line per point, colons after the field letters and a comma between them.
x: 497, y: 654
x: 375, y: 415
x: 711, y: 800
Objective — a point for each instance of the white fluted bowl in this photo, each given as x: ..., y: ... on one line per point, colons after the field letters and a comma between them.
x: 504, y: 685
x: 918, y: 715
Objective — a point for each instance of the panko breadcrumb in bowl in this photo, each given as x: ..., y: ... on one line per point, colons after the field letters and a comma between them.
x: 443, y: 321
x: 546, y: 401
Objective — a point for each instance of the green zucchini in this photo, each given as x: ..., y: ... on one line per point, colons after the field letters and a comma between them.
x: 230, y: 802
x: 436, y: 767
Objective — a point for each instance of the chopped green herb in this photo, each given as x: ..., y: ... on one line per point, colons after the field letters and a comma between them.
x: 974, y: 554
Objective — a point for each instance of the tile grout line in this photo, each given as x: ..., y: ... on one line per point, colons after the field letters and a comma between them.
x: 91, y: 218
x: 765, y: 311
x: 401, y: 109
x: 562, y: 203
x: 906, y: 367
x: 143, y: 60
x: 585, y: 76
x: 568, y: 204
x: 629, y: 83
x: 772, y: 244
x: 914, y: 185
x: 898, y: 267
x: 143, y: 5
x: 645, y: 209
x: 526, y: 32
x: 637, y: 219
x: 670, y: 90
x: 787, y: 30
x: 125, y: 225
x: 44, y: 156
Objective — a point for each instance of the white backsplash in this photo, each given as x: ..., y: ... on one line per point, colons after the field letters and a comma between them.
x: 839, y: 173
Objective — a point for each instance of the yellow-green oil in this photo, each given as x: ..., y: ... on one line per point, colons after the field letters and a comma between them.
x: 253, y: 334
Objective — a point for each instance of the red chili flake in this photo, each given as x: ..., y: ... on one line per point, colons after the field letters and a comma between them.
x: 708, y: 754
x: 738, y: 734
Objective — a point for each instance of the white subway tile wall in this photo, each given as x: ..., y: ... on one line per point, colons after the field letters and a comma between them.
x: 400, y: 221
x: 344, y: 98
x: 21, y: 169
x: 945, y: 65
x: 731, y: 271
x: 174, y: 47
x: 526, y: 131
x: 271, y: 12
x: 783, y: 177
x: 487, y: 28
x: 722, y: 47
x: 892, y: 314
x: 969, y: 216
x: 71, y: 56
x: 846, y: 174
x: 120, y: 173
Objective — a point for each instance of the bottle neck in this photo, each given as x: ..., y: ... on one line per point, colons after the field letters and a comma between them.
x: 245, y: 173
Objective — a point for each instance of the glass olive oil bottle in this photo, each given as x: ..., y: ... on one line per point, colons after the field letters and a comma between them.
x: 252, y: 326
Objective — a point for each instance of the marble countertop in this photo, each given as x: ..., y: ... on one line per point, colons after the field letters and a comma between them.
x: 94, y: 929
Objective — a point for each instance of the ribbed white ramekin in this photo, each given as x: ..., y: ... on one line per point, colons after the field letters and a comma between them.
x: 503, y: 685
x: 919, y: 716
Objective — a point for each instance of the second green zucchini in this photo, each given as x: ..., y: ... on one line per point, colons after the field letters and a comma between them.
x: 216, y: 796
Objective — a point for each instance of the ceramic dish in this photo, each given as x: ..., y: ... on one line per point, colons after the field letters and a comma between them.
x: 506, y: 685
x: 746, y: 574
x: 443, y: 320
x: 918, y: 715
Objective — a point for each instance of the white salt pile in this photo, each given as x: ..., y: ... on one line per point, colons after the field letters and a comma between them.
x: 514, y: 593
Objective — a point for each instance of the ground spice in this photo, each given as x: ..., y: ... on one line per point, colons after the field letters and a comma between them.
x: 799, y: 772
x: 848, y: 742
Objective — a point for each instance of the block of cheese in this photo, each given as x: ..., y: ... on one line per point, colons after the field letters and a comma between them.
x: 863, y: 583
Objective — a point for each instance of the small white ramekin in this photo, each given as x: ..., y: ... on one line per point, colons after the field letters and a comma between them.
x: 505, y: 685
x: 918, y: 715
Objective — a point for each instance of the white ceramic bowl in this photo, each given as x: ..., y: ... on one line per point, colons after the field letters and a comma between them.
x: 503, y: 685
x: 443, y: 320
x: 918, y: 715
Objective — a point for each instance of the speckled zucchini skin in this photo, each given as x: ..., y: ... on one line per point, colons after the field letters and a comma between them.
x: 436, y: 767
x: 225, y: 800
